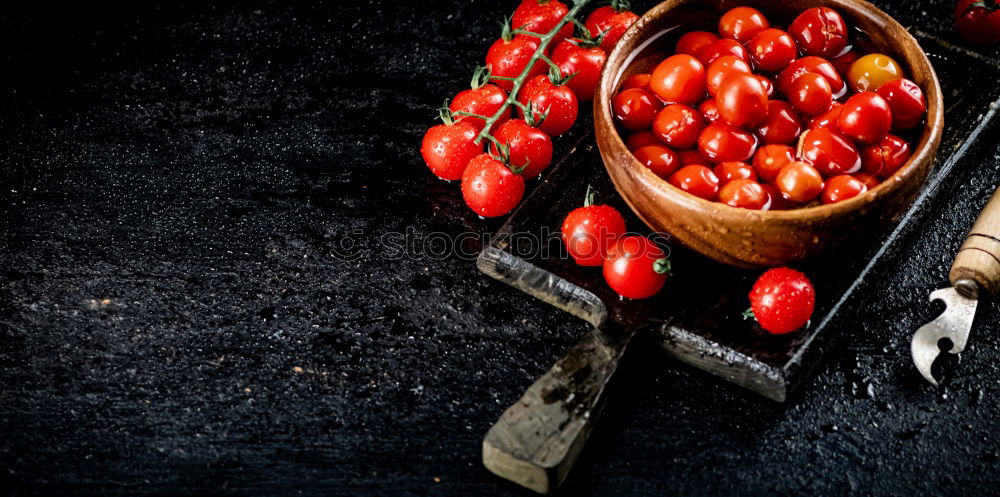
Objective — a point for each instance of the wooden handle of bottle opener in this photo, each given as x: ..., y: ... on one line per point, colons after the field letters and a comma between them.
x: 979, y: 258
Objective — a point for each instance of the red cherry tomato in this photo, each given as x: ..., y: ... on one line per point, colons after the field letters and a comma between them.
x: 529, y: 147
x: 820, y: 31
x: 718, y: 48
x: 742, y: 24
x: 829, y: 152
x: 709, y: 110
x: 729, y: 171
x: 843, y: 62
x: 772, y: 49
x: 636, y: 268
x: 885, y: 157
x: 742, y: 100
x: 769, y: 160
x: 782, y: 300
x: 692, y: 42
x: 640, y: 80
x: 490, y: 188
x: 679, y: 79
x: 766, y: 83
x: 697, y: 180
x: 662, y: 160
x: 799, y: 182
x: 745, y: 194
x: 507, y: 58
x: 691, y: 157
x: 586, y: 63
x: 540, y: 16
x: 448, y: 148
x: 722, y: 68
x: 557, y: 100
x: 641, y: 139
x: 635, y: 108
x: 485, y: 100
x: 978, y: 22
x: 678, y: 126
x: 865, y: 117
x: 610, y: 21
x: 817, y: 65
x: 782, y: 124
x: 827, y: 119
x: 842, y: 187
x: 590, y: 231
x: 869, y: 180
x: 720, y: 142
x: 906, y: 101
x: 778, y: 203
x: 810, y: 94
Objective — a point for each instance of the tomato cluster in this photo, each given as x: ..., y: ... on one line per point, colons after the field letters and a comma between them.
x: 759, y: 117
x: 552, y: 71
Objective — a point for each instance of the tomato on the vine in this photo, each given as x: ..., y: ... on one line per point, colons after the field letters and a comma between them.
x: 978, y: 20
x: 697, y: 180
x: 579, y: 57
x: 540, y: 16
x: 781, y: 125
x: 490, y: 188
x: 799, y: 182
x: 509, y: 55
x: 590, y: 231
x: 635, y: 108
x: 612, y: 20
x: 745, y: 194
x: 554, y: 105
x: 884, y: 158
x: 448, y: 148
x: 742, y: 23
x: 482, y: 99
x: 742, y: 100
x: 663, y: 161
x: 678, y: 126
x: 528, y: 147
x: 906, y: 101
x: 679, y: 79
x: 636, y: 268
x: 865, y: 117
x: 820, y: 31
x: 721, y: 142
x: 782, y: 300
x: 828, y: 152
x: 842, y: 187
x: 772, y: 49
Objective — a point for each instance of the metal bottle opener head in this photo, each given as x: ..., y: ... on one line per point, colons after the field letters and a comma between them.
x: 954, y: 324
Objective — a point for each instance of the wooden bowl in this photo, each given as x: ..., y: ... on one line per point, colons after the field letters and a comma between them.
x: 751, y: 238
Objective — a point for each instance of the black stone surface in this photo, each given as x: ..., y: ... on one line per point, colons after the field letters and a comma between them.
x: 177, y: 182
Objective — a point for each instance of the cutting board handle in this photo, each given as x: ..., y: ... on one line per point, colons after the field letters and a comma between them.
x: 979, y: 258
x: 536, y: 441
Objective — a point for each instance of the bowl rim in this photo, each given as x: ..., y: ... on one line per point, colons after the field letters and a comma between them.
x: 924, y: 150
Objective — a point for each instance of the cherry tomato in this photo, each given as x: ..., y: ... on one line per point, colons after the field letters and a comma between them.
x: 745, y: 194
x: 742, y: 24
x: 484, y: 100
x: 662, y: 160
x: 729, y: 171
x: 885, y: 157
x: 507, y: 58
x: 827, y: 119
x: 571, y: 57
x: 720, y: 142
x: 782, y: 300
x: 742, y: 100
x: 865, y: 117
x: 709, y: 110
x: 843, y: 62
x: 769, y: 160
x: 678, y: 126
x: 772, y: 49
x: 529, y: 147
x: 718, y: 48
x: 635, y: 108
x: 778, y: 203
x: 691, y: 157
x: 810, y: 94
x: 641, y: 139
x: 640, y: 80
x: 782, y: 124
x: 799, y: 182
x: 871, y: 71
x: 906, y: 101
x: 590, y: 231
x: 490, y: 188
x: 540, y: 16
x: 692, y: 42
x: 817, y: 65
x: 766, y: 83
x: 820, y: 31
x: 558, y: 101
x: 679, y: 79
x: 697, y: 180
x: 869, y: 180
x: 611, y: 21
x: 829, y: 152
x: 448, y: 148
x: 722, y: 68
x: 842, y: 187
x: 978, y: 21
x: 636, y: 268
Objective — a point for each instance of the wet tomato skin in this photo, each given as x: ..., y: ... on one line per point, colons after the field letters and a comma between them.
x: 507, y: 58
x: 590, y: 231
x: 799, y: 182
x: 886, y: 157
x: 782, y: 300
x: 641, y: 139
x: 484, y: 101
x: 871, y: 71
x: 662, y: 160
x: 586, y: 63
x: 827, y: 119
x: 640, y: 80
x: 722, y: 68
x: 691, y: 157
x: 679, y: 79
x: 720, y: 142
x: 865, y: 117
x: 777, y: 202
x: 978, y: 24
x: 635, y: 267
x: 820, y: 31
x: 541, y: 16
x: 742, y: 23
x: 906, y: 101
x: 692, y: 42
x: 558, y: 100
x: 745, y: 194
x: 870, y: 180
x: 734, y: 170
x: 709, y: 110
x: 448, y: 148
x: 678, y: 126
x: 742, y: 100
x: 635, y: 108
x: 698, y: 180
x: 490, y: 188
x: 782, y: 124
x: 810, y: 94
x: 843, y: 61
x: 817, y: 65
x: 829, y: 152
x: 769, y: 160
x: 613, y: 23
x: 842, y: 187
x: 529, y: 147
x: 772, y: 49
x: 718, y: 48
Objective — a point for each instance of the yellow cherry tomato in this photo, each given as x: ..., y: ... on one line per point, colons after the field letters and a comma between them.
x: 872, y: 71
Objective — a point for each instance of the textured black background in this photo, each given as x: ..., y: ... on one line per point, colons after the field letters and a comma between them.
x: 173, y: 184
